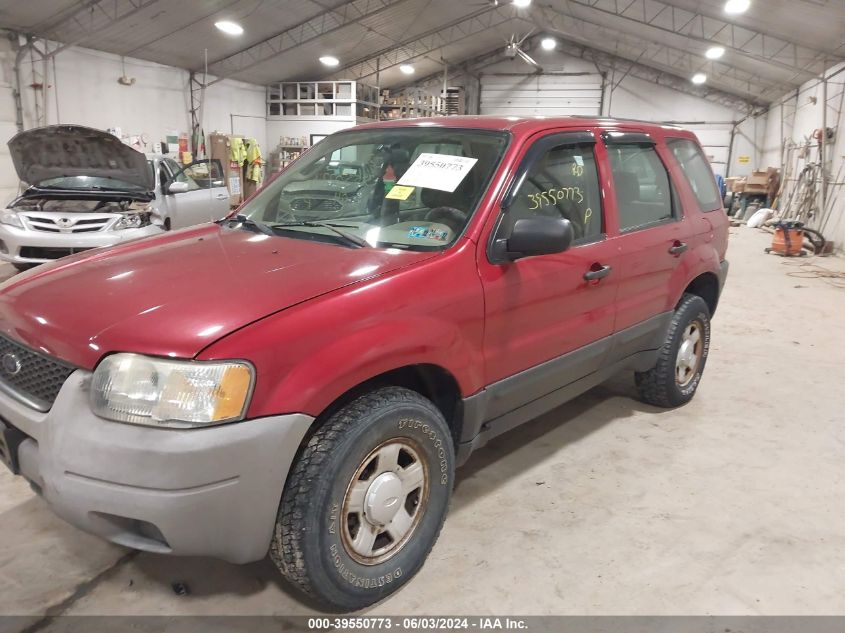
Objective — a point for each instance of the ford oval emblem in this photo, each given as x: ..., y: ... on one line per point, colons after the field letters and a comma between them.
x: 11, y: 364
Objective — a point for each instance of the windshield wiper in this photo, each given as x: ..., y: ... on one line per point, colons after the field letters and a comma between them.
x: 245, y: 221
x: 351, y: 238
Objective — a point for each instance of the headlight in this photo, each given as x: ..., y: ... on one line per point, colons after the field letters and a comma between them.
x: 132, y: 221
x: 7, y: 216
x: 170, y: 393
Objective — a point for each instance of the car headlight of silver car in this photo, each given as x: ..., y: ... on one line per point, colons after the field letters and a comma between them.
x: 170, y: 393
x: 132, y: 221
x: 7, y: 216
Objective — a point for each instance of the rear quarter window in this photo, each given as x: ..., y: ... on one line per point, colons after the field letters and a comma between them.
x: 697, y: 171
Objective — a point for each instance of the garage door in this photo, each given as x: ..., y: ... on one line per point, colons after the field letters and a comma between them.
x: 715, y: 139
x: 522, y: 95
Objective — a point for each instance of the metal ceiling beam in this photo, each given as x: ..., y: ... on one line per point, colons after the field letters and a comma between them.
x: 659, y: 56
x: 91, y: 20
x: 605, y: 63
x: 428, y: 42
x: 804, y: 62
x: 320, y: 25
x: 614, y: 63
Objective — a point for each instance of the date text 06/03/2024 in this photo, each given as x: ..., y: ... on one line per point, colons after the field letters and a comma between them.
x: 422, y: 623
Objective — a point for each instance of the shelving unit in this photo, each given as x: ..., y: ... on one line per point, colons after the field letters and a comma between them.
x: 328, y: 99
x: 420, y: 104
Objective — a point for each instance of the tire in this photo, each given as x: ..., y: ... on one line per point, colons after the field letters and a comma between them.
x: 318, y: 526
x: 672, y: 382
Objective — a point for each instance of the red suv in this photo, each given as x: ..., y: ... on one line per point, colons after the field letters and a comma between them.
x: 303, y: 377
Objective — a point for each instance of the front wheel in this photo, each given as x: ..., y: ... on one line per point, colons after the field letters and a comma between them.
x: 365, y: 501
x: 673, y: 381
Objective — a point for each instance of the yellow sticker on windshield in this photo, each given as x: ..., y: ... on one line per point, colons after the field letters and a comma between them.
x: 399, y: 193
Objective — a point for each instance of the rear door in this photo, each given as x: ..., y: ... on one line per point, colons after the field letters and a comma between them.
x: 206, y: 198
x: 546, y: 325
x: 654, y: 235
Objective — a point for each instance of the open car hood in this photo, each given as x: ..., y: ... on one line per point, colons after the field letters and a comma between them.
x: 59, y: 151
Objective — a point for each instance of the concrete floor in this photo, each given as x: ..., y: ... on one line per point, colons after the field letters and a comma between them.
x: 730, y: 505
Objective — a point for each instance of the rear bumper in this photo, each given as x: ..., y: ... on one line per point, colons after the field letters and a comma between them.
x: 203, y: 492
x: 23, y: 246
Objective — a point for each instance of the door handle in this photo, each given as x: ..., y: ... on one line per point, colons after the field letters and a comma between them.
x: 678, y: 248
x: 597, y: 273
x: 221, y: 196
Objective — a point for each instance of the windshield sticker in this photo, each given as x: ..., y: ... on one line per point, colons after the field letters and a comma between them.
x: 427, y: 233
x: 398, y: 192
x: 438, y: 171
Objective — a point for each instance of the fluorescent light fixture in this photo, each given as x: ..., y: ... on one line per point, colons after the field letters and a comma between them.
x: 328, y: 60
x: 521, y: 3
x: 699, y: 78
x: 548, y: 43
x: 407, y: 69
x: 736, y: 7
x: 229, y: 27
x: 715, y: 52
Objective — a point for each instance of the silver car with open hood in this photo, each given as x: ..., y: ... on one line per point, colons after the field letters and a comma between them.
x: 89, y: 189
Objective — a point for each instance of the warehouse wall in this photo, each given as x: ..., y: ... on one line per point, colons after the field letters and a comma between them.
x: 8, y: 179
x: 574, y: 92
x: 294, y: 126
x: 84, y: 90
x: 792, y: 120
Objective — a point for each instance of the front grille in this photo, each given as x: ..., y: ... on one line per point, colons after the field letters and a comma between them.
x: 30, y: 377
x: 43, y: 252
x: 66, y: 224
x: 315, y: 204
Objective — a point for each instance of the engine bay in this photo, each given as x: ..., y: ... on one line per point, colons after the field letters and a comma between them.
x: 47, y: 204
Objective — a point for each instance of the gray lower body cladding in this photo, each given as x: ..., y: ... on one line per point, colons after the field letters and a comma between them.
x: 201, y: 492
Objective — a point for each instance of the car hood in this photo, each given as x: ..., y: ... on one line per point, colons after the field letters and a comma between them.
x: 60, y: 151
x: 175, y: 294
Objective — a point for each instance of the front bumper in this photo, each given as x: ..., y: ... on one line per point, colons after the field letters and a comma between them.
x: 198, y: 492
x: 14, y: 239
x: 724, y: 266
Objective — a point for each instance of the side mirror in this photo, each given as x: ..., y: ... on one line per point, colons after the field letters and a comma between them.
x: 534, y: 236
x: 177, y: 187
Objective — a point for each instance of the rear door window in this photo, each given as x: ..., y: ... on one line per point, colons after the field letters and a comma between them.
x: 698, y: 173
x: 644, y: 194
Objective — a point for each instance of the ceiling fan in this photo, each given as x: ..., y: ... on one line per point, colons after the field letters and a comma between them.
x: 513, y: 49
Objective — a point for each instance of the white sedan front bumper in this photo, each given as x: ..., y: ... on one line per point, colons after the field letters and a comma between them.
x: 25, y: 246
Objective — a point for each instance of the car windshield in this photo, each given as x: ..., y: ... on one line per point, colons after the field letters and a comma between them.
x: 88, y: 182
x: 413, y: 188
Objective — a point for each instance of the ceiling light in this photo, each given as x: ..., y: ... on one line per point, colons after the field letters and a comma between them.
x: 699, y: 78
x: 328, y: 60
x: 407, y: 69
x: 521, y: 4
x: 715, y: 52
x: 548, y: 43
x: 737, y: 6
x: 229, y: 27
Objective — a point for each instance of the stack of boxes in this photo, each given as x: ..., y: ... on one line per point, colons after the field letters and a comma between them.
x: 759, y: 183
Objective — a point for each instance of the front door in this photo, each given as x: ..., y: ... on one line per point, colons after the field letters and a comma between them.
x: 204, y: 200
x: 549, y: 318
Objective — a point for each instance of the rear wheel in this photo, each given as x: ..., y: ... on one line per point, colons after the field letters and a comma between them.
x: 680, y: 362
x: 366, y: 499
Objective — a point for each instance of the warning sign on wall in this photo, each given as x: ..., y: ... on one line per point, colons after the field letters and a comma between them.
x: 743, y: 160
